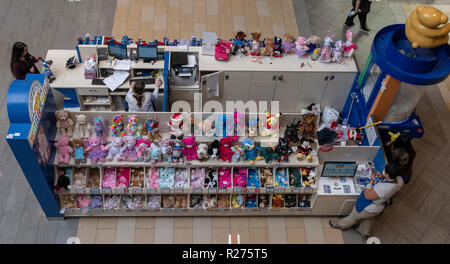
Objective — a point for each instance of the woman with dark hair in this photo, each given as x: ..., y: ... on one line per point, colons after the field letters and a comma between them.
x: 401, y: 153
x: 372, y: 200
x: 22, y: 62
x: 141, y: 101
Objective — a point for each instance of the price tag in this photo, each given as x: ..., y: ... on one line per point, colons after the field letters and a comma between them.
x: 308, y: 189
x: 119, y: 190
x: 79, y: 190
x: 236, y: 209
x: 179, y: 209
x: 151, y: 190
x: 178, y: 190
x: 251, y: 190
x: 94, y: 190
x: 263, y: 209
x: 221, y: 209
x: 212, y: 190
x: 295, y: 190
x: 151, y: 210
x: 167, y: 209
x: 237, y: 189
x: 106, y: 190
x: 222, y: 190
x: 165, y: 190
x: 188, y: 164
x: 197, y: 190
x: 280, y: 190
x: 137, y: 190
x: 269, y: 190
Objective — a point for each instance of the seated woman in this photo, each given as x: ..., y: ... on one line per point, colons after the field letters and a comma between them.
x: 22, y: 62
x: 141, y: 101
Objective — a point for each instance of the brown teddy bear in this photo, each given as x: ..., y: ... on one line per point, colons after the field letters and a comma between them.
x: 168, y: 201
x: 79, y: 151
x: 427, y: 27
x: 64, y: 123
x: 268, y: 49
x: 94, y: 178
x: 137, y: 179
x: 267, y: 178
x: 308, y: 127
x: 223, y: 201
x: 180, y: 201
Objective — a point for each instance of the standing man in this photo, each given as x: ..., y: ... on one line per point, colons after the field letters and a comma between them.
x: 360, y: 8
x: 372, y: 200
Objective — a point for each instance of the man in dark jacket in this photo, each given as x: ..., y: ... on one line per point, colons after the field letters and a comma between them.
x: 360, y: 8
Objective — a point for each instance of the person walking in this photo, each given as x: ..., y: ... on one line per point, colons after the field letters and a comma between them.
x: 360, y: 8
x: 22, y: 62
x: 372, y: 201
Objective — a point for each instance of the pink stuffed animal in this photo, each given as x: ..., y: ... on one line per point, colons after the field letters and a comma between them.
x: 64, y: 150
x: 197, y: 177
x: 300, y: 46
x: 224, y: 178
x: 190, y: 148
x: 109, y: 178
x: 240, y: 177
x: 153, y: 178
x: 349, y: 47
x: 128, y: 151
x: 142, y: 148
x: 96, y: 151
x: 123, y: 177
x: 225, y: 148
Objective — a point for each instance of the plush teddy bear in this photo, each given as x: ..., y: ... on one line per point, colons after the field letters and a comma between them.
x: 180, y: 201
x: 137, y: 179
x: 288, y: 43
x: 109, y: 178
x: 427, y: 27
x: 262, y: 201
x: 96, y: 151
x: 168, y: 201
x: 177, y: 153
x: 112, y: 202
x: 256, y: 44
x: 239, y: 44
x: 64, y: 123
x: 142, y: 149
x: 79, y: 178
x: 277, y: 201
x: 94, y: 178
x: 223, y: 201
x: 152, y: 178
x: 267, y: 178
x: 64, y: 150
x: 69, y: 201
x: 128, y: 151
x: 123, y: 177
x: 253, y: 178
x: 197, y: 177
x: 301, y: 47
x: 82, y: 127
x: 114, y: 148
x: 190, y: 148
x: 202, y: 152
x: 79, y: 151
x: 268, y: 49
x: 308, y: 128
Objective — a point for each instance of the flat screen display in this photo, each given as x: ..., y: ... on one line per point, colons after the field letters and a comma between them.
x: 117, y: 50
x: 339, y: 169
x: 148, y: 52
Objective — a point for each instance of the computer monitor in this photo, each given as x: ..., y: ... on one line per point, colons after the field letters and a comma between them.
x: 339, y: 169
x: 148, y: 52
x: 117, y: 50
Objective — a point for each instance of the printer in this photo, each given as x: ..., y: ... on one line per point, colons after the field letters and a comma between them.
x: 184, y: 70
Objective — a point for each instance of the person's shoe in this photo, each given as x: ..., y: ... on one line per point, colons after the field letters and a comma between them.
x: 365, y: 29
x: 334, y: 224
x: 349, y: 26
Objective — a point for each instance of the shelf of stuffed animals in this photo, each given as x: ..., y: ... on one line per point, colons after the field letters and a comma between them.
x: 143, y: 205
x: 195, y: 181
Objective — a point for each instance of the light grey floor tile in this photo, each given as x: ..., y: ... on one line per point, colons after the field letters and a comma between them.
x: 352, y: 237
x: 277, y: 230
x: 31, y: 213
x: 9, y: 227
x: 46, y: 231
x: 69, y: 223
x: 26, y: 236
x: 125, y: 235
x: 18, y: 194
x: 202, y: 230
x: 164, y: 230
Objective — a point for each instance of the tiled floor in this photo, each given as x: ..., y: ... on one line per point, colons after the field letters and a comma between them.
x: 176, y: 19
x: 421, y: 212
